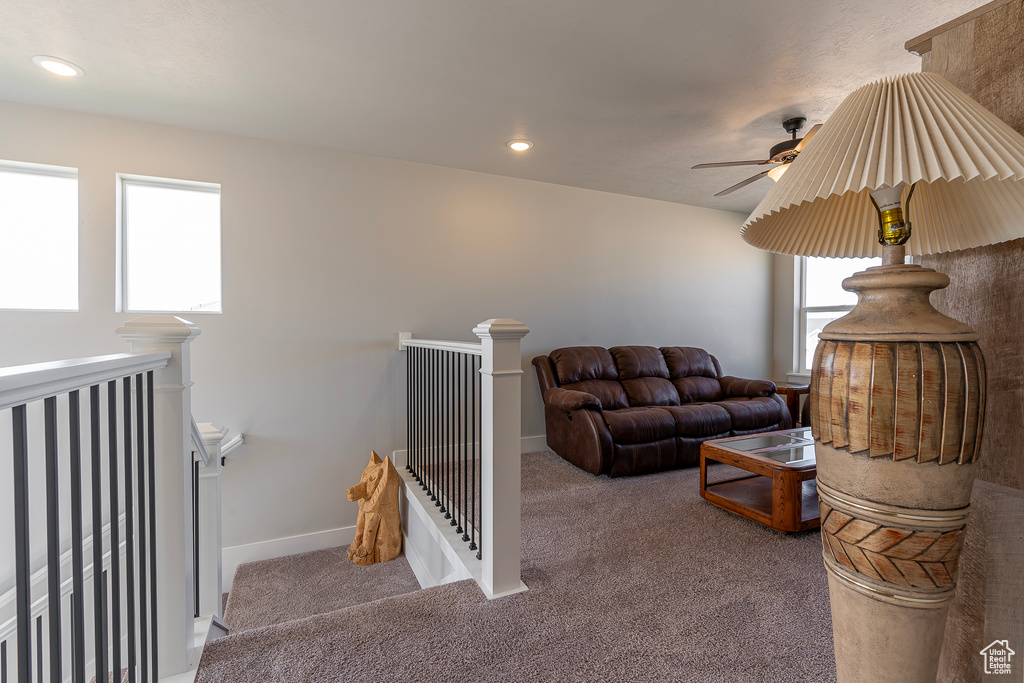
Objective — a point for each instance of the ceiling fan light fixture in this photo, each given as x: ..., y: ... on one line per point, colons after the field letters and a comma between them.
x: 57, y: 66
x: 519, y: 145
x: 777, y: 172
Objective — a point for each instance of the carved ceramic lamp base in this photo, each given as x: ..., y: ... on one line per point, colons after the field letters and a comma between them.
x: 897, y: 410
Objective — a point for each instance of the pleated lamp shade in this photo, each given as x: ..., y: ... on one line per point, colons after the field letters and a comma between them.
x: 914, y: 128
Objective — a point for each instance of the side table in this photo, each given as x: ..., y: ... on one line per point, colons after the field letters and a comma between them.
x: 792, y: 392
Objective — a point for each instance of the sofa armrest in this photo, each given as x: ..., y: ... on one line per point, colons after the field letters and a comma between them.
x: 567, y: 399
x: 750, y: 388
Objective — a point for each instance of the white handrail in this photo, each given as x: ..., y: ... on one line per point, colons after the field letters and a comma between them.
x: 199, y: 443
x: 237, y: 441
x: 406, y: 341
x: 22, y: 384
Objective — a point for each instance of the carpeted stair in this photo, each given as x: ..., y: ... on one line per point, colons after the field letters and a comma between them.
x: 294, y: 587
x: 631, y: 579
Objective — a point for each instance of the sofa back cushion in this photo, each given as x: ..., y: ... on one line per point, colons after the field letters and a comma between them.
x: 644, y: 376
x: 579, y: 363
x: 590, y: 369
x: 694, y: 373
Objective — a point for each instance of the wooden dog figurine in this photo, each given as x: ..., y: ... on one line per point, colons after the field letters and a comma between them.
x: 379, y: 527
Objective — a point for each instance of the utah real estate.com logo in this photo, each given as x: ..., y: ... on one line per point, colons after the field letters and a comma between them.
x: 997, y: 657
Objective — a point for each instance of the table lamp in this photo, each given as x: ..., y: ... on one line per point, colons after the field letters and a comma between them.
x: 906, y: 165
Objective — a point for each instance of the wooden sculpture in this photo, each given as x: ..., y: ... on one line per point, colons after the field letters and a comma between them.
x: 379, y: 527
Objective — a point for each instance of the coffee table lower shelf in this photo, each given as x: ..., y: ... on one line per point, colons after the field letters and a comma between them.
x: 752, y: 496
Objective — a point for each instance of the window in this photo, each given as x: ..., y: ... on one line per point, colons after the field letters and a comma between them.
x: 823, y: 298
x: 169, y: 245
x: 38, y: 237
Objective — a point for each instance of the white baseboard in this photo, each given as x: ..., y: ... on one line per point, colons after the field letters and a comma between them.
x: 235, y: 555
x: 532, y: 444
x: 527, y: 444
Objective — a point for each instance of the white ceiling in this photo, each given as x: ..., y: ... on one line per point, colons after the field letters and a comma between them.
x: 622, y: 96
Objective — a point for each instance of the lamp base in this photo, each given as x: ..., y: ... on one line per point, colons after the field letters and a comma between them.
x: 897, y: 411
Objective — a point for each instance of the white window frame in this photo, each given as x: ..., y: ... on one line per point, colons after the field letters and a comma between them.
x: 121, y: 279
x: 56, y: 172
x: 804, y: 309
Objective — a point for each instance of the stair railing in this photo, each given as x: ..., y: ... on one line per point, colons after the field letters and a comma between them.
x: 463, y: 434
x: 102, y: 445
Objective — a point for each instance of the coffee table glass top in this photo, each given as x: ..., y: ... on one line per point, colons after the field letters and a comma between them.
x: 792, y: 446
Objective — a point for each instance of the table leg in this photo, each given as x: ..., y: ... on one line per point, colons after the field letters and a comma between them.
x: 787, y: 498
x: 703, y: 475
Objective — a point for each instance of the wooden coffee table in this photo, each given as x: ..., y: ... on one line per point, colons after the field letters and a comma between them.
x: 779, y: 492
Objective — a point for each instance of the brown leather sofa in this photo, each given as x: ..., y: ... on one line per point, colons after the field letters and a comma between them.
x: 638, y: 409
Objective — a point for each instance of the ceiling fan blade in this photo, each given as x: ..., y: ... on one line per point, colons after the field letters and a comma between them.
x: 807, y: 138
x: 743, y: 183
x: 731, y: 163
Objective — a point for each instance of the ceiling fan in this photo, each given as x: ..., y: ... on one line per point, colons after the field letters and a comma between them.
x: 780, y: 156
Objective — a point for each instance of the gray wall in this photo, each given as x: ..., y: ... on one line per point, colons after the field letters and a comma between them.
x: 327, y: 255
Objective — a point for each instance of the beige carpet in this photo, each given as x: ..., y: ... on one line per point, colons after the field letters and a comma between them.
x: 631, y: 579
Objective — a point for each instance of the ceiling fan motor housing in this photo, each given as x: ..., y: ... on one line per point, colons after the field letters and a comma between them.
x: 784, y: 151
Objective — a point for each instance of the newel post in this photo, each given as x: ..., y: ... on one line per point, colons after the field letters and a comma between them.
x: 501, y: 389
x: 172, y: 477
x: 210, y: 574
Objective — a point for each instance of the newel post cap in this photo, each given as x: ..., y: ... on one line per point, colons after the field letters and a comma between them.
x: 212, y: 434
x: 159, y: 329
x: 501, y: 329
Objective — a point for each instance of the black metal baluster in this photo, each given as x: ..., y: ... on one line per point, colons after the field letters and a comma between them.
x: 77, y: 559
x: 476, y: 481
x: 453, y: 438
x: 76, y: 644
x: 129, y: 523
x: 140, y: 490
x: 445, y: 359
x: 101, y: 633
x: 465, y: 447
x: 115, y: 532
x: 426, y: 418
x: 472, y: 521
x: 424, y: 424
x: 195, y: 533
x: 99, y: 600
x: 433, y: 422
x: 445, y: 413
x: 22, y: 569
x: 39, y: 649
x: 52, y: 539
x: 408, y: 409
x: 419, y: 415
x: 151, y: 423
x: 415, y: 412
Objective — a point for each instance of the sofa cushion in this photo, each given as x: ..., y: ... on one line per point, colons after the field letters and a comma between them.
x: 639, y: 425
x: 639, y: 361
x: 687, y: 361
x: 700, y: 419
x: 611, y: 394
x: 697, y: 389
x: 641, y: 458
x: 753, y: 413
x: 580, y: 363
x: 650, y: 391
x: 737, y: 386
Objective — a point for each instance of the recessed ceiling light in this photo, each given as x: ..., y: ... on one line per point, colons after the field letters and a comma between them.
x: 519, y: 145
x: 61, y: 67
